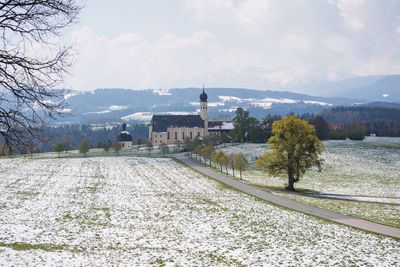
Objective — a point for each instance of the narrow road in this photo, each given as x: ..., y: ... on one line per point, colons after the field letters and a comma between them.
x: 280, y: 201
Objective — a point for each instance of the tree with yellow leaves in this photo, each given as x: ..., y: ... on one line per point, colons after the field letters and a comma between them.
x: 295, y: 148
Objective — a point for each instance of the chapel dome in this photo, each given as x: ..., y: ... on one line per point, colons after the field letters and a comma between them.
x: 124, y: 135
x: 203, y: 96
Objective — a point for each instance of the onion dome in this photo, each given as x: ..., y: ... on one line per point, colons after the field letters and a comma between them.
x: 203, y: 96
x: 124, y: 135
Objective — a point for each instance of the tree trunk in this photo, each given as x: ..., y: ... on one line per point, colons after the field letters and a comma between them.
x: 290, y: 186
x: 240, y: 170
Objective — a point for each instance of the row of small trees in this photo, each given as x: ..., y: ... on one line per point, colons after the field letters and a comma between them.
x: 84, y: 147
x: 210, y: 155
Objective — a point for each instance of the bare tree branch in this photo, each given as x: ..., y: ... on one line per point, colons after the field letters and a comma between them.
x: 28, y: 83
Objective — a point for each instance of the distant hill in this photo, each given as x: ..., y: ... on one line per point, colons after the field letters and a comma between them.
x: 114, y: 105
x: 386, y: 89
x: 336, y: 88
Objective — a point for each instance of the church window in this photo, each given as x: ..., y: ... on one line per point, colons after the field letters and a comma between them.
x: 191, y: 135
x: 168, y: 135
x: 176, y: 135
x: 183, y: 135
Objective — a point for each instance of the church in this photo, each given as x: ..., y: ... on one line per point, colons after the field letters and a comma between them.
x: 125, y: 138
x: 171, y: 129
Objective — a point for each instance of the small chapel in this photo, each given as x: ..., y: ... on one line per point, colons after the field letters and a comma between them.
x: 125, y: 138
x: 171, y: 129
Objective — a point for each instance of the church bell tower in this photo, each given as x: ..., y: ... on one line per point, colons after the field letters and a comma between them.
x: 204, y: 111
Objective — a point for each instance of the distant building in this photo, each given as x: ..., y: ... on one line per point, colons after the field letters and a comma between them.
x: 219, y: 128
x: 125, y: 138
x: 171, y: 129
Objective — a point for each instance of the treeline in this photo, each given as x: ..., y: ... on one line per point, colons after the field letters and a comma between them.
x: 336, y: 123
x: 249, y: 129
x: 96, y: 136
x: 71, y: 136
x: 381, y: 121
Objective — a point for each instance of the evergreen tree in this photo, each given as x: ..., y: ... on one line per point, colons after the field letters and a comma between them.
x: 321, y: 127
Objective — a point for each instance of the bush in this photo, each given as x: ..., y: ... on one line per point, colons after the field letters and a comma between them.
x: 337, y: 134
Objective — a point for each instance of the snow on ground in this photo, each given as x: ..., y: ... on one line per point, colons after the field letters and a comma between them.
x: 264, y: 103
x: 116, y: 107
x: 146, y: 116
x: 138, y: 116
x: 317, y: 103
x: 141, y: 211
x: 366, y: 168
x: 98, y: 112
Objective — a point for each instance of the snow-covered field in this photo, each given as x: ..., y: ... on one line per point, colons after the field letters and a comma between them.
x: 365, y: 168
x: 142, y: 211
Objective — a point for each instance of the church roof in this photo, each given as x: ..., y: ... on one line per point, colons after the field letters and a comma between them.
x: 160, y: 123
x: 124, y: 135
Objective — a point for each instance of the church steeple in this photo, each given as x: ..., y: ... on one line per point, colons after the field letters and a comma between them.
x: 203, y: 96
x: 203, y: 110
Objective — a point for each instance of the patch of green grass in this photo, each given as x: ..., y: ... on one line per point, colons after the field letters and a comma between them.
x: 97, y: 223
x: 27, y: 193
x: 223, y: 260
x: 67, y: 217
x: 158, y: 262
x: 27, y: 246
x: 106, y: 211
x: 209, y: 201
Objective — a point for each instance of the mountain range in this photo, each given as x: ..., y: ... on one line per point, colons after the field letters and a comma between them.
x: 116, y: 105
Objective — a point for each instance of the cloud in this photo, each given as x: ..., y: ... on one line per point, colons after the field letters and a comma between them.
x: 132, y: 61
x: 248, y: 43
x: 248, y: 15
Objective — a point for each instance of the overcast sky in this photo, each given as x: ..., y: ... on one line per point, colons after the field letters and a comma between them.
x: 236, y: 43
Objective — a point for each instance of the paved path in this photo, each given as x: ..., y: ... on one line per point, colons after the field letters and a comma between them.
x: 355, y: 198
x: 322, y: 213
